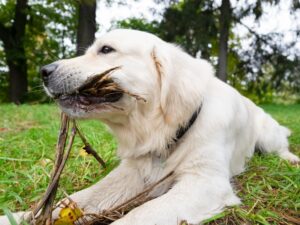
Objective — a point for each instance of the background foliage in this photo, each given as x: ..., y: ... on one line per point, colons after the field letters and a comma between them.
x: 266, y: 71
x: 50, y: 34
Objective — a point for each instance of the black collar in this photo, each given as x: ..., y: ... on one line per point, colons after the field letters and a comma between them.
x: 183, y: 129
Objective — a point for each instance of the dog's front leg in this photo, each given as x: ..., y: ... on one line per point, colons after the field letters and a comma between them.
x: 121, y: 184
x: 193, y: 199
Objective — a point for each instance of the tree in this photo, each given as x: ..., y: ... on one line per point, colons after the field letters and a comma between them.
x: 140, y: 24
x: 86, y: 25
x: 224, y: 23
x: 48, y: 27
x: 203, y: 28
x: 193, y: 25
x: 49, y: 33
x: 13, y: 39
x: 270, y: 65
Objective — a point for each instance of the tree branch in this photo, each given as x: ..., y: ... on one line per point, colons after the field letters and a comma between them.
x: 251, y: 31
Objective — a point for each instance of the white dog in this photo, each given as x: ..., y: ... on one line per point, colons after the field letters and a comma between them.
x: 174, y: 116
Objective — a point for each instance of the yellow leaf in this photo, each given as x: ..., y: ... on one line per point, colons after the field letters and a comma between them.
x: 83, y: 153
x: 68, y: 215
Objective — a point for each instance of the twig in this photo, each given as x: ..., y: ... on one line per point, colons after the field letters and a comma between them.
x: 119, y: 211
x: 59, y: 156
x: 42, y: 214
x: 145, y: 192
x: 88, y: 147
x: 46, y: 204
x: 52, y: 189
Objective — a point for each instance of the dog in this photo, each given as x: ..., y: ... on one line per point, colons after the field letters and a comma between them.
x: 169, y: 113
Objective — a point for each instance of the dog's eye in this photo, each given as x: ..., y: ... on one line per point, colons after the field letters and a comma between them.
x: 106, y: 49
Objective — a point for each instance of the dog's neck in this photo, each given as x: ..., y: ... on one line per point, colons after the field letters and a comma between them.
x: 159, y: 139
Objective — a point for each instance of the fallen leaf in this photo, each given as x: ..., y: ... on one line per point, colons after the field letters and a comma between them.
x: 69, y: 214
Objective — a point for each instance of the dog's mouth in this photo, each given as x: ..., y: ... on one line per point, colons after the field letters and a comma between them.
x: 99, y: 89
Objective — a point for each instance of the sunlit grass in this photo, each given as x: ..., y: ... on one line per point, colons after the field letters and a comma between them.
x: 269, y: 189
x: 27, y: 146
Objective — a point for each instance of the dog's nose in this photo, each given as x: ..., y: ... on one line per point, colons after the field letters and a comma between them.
x: 47, y: 70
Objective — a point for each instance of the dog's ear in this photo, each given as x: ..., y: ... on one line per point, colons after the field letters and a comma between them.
x: 171, y: 92
x: 163, y: 69
x: 182, y: 82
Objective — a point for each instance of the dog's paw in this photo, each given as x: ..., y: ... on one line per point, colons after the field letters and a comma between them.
x: 290, y: 157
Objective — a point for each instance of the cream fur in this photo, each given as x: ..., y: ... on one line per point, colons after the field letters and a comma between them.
x: 174, y: 84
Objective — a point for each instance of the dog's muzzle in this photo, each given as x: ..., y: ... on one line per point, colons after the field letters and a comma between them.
x: 97, y: 89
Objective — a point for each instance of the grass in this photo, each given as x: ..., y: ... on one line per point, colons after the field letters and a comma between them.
x: 27, y: 146
x: 269, y: 189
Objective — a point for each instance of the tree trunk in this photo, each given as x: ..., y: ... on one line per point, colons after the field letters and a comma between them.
x: 86, y: 25
x: 17, y: 75
x: 13, y: 40
x: 225, y: 21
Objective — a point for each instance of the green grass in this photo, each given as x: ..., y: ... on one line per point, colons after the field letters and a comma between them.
x: 269, y: 189
x: 28, y: 136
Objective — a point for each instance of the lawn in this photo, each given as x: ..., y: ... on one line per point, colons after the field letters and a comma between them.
x: 270, y: 187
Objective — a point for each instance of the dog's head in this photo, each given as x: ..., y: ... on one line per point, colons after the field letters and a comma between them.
x: 127, y: 72
x: 114, y: 75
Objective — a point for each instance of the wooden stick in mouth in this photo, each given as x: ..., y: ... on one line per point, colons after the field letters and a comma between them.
x: 97, y: 78
x: 102, y: 85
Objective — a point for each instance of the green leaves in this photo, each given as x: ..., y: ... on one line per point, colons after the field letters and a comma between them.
x: 50, y: 34
x: 269, y: 67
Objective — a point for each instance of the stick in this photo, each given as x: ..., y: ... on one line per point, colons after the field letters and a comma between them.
x: 52, y: 188
x: 119, y: 211
x: 46, y: 203
x: 88, y: 147
x: 145, y: 192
